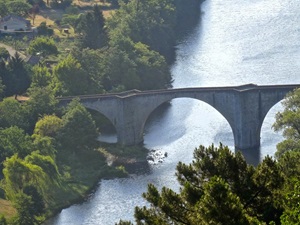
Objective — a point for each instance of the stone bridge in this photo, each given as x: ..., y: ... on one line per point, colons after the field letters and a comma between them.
x: 244, y: 107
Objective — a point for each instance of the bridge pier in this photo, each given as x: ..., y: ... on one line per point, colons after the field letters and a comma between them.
x: 129, y: 126
x: 246, y: 138
x: 252, y: 105
x: 248, y: 120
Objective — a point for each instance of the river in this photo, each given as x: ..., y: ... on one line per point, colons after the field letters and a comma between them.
x: 236, y: 42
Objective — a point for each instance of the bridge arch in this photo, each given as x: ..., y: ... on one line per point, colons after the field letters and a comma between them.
x: 267, y: 130
x: 156, y: 106
x: 105, y: 126
x: 102, y: 112
x: 202, y: 113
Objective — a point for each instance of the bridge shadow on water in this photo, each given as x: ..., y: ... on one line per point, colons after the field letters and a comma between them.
x: 160, y: 128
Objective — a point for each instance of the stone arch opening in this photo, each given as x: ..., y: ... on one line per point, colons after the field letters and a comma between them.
x: 107, y: 130
x: 203, y: 123
x: 270, y: 138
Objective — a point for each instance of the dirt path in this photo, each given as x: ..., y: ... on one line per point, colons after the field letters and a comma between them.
x: 11, y: 50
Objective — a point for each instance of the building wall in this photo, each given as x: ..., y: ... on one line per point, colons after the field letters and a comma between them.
x: 13, y: 25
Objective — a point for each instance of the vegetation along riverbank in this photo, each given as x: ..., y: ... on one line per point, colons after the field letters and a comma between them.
x: 49, y: 156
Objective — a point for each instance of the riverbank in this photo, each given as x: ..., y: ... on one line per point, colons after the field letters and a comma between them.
x: 82, y: 174
x: 85, y: 171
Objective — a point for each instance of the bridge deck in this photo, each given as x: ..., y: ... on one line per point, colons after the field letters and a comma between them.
x: 135, y: 92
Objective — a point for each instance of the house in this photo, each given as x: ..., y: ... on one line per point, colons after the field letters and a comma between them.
x: 13, y: 24
x: 32, y: 60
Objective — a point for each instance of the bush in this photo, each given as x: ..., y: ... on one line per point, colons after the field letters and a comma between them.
x: 43, y: 45
x: 72, y: 10
x: 4, y: 54
x: 44, y: 30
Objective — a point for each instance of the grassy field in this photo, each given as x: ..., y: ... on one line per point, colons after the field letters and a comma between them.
x: 6, y: 208
x: 49, y: 15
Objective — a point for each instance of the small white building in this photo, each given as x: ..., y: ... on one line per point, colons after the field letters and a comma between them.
x: 13, y: 24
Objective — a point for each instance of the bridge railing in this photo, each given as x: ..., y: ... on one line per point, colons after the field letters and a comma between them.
x: 136, y: 92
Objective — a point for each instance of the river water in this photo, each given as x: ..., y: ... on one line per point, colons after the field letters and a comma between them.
x: 236, y: 42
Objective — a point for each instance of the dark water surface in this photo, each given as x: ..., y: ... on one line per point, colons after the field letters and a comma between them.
x: 237, y: 42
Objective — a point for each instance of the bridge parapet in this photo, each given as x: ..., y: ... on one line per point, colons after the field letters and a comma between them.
x: 246, y: 87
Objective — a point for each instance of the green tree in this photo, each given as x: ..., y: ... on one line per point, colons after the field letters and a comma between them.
x: 25, y: 209
x: 43, y: 45
x: 291, y: 214
x: 218, y: 187
x: 44, y: 30
x: 37, y: 199
x: 41, y: 102
x: 289, y: 163
x: 72, y: 10
x: 70, y: 19
x: 13, y: 114
x: 92, y: 29
x: 288, y: 121
x: 138, y: 66
x: 18, y: 173
x: 6, y: 78
x: 79, y: 130
x: 18, y: 7
x: 93, y: 62
x: 46, y: 163
x: 14, y: 140
x: 2, y: 220
x: 219, y: 205
x: 4, y: 54
x: 41, y: 77
x: 20, y: 75
x: 70, y: 78
x: 3, y: 9
x: 151, y: 68
x: 2, y: 87
x: 150, y: 22
x: 269, y: 182
x: 49, y: 125
x: 45, y: 145
x: 125, y: 74
x: 14, y: 75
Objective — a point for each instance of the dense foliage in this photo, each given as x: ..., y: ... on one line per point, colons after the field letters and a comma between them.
x: 16, y: 7
x: 128, y: 50
x: 33, y: 166
x: 4, y: 54
x: 92, y: 29
x: 219, y: 187
x: 288, y: 121
x: 15, y: 75
x: 42, y: 146
x: 42, y: 46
